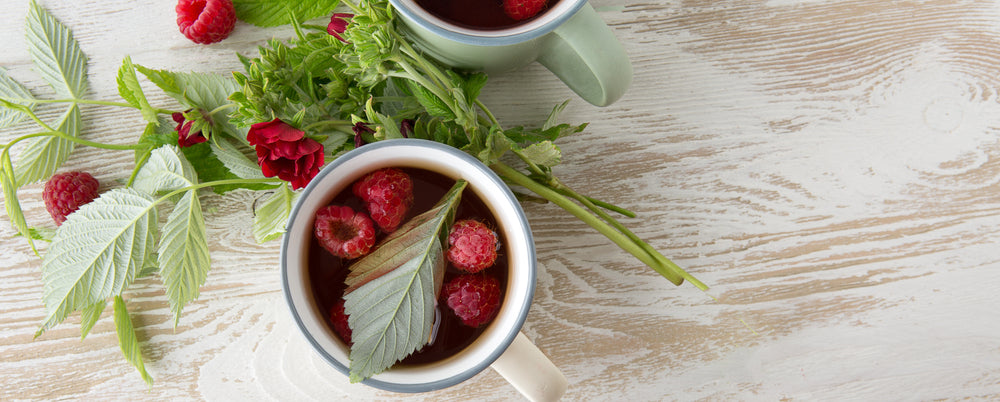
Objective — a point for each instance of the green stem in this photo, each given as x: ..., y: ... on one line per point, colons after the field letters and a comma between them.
x: 217, y: 183
x: 628, y: 244
x: 628, y: 233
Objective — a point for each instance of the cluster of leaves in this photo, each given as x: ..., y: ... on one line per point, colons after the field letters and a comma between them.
x: 107, y: 244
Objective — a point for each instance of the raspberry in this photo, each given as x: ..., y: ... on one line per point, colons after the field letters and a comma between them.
x: 474, y: 298
x: 388, y: 195
x: 523, y: 9
x: 472, y: 246
x: 205, y: 21
x: 64, y: 193
x: 343, y: 232
x: 339, y: 320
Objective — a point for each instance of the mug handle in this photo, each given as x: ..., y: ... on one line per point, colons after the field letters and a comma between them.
x: 585, y: 54
x: 530, y: 371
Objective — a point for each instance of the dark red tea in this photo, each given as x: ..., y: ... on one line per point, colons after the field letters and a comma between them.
x: 327, y: 272
x: 476, y: 14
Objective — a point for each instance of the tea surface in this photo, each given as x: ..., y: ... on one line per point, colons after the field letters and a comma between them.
x: 476, y: 14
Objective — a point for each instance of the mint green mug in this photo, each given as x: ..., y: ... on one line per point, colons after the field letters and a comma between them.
x: 569, y: 39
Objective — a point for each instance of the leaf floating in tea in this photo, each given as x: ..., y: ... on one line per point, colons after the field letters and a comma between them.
x: 391, y: 292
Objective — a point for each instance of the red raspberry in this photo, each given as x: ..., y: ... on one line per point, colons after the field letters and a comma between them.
x: 523, y: 9
x: 472, y: 246
x: 64, y: 193
x: 205, y: 21
x: 343, y: 232
x: 474, y: 298
x: 339, y: 320
x: 388, y: 195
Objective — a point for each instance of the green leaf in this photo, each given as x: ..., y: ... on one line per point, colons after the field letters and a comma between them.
x: 97, y: 252
x: 269, y: 13
x: 391, y: 292
x: 553, y: 118
x: 543, y: 153
x: 166, y: 169
x: 271, y: 217
x: 127, y: 339
x: 183, y: 253
x: 13, y: 92
x: 432, y: 103
x: 13, y: 204
x: 234, y: 160
x: 131, y: 91
x: 89, y: 317
x: 57, y: 55
x: 209, y: 168
x: 42, y: 156
x: 197, y: 91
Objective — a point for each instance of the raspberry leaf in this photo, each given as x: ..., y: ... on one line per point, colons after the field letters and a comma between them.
x: 43, y: 155
x: 89, y: 316
x: 183, y: 253
x: 270, y: 218
x: 234, y: 160
x: 131, y: 91
x: 391, y: 292
x: 97, y: 252
x: 197, y: 91
x: 127, y: 339
x: 165, y: 170
x: 56, y: 53
x: 13, y: 92
x: 269, y: 13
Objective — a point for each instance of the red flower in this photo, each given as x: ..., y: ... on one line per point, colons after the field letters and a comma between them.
x: 286, y: 152
x: 338, y: 24
x: 185, y: 138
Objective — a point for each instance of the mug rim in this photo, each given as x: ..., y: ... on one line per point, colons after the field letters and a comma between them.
x: 501, y: 37
x: 501, y: 337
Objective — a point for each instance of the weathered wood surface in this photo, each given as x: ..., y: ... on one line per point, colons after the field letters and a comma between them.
x: 830, y: 168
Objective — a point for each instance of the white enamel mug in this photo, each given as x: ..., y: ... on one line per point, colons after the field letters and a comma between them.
x: 501, y: 345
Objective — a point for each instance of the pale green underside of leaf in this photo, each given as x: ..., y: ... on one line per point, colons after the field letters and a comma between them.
x: 543, y: 153
x: 197, y: 90
x: 131, y: 91
x: 97, y: 252
x: 42, y: 156
x: 183, y: 253
x: 56, y: 53
x: 269, y: 13
x: 127, y: 339
x: 89, y: 316
x: 235, y: 161
x: 14, y: 92
x: 166, y: 169
x: 271, y: 217
x: 392, y: 291
x: 13, y: 206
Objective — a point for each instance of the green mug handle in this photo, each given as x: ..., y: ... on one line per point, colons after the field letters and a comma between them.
x: 585, y: 54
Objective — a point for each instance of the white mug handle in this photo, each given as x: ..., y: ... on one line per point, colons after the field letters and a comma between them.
x: 530, y: 371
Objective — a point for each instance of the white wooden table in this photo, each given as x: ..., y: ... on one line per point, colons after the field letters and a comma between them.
x: 830, y: 168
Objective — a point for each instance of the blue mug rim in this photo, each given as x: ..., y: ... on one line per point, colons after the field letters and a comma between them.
x: 486, y: 39
x: 508, y: 337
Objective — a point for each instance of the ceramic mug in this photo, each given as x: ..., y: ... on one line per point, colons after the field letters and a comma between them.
x: 569, y: 39
x: 501, y: 345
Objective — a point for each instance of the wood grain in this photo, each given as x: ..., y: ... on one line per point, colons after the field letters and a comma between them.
x: 830, y: 168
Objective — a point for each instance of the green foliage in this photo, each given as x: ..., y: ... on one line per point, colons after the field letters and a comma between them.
x: 12, y: 91
x: 127, y: 339
x: 269, y: 13
x: 391, y: 292
x: 97, y: 252
x: 56, y: 53
x: 271, y: 216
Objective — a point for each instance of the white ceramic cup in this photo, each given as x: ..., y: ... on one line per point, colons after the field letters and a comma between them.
x: 501, y: 345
